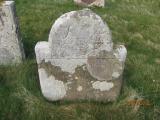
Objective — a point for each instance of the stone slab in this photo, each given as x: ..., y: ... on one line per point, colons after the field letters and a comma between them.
x: 79, y: 62
x: 11, y: 48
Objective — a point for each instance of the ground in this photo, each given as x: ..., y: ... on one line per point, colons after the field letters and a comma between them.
x: 134, y: 23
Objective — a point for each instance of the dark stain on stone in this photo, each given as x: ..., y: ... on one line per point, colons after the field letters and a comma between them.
x: 1, y: 20
x: 1, y: 14
x: 64, y: 76
x: 83, y: 74
x: 103, y: 65
x: 55, y: 71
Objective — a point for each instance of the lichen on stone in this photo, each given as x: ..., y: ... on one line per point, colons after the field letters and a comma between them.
x: 103, y: 86
x: 103, y: 65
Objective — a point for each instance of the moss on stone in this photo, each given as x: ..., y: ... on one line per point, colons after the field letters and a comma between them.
x: 54, y: 70
x: 1, y: 1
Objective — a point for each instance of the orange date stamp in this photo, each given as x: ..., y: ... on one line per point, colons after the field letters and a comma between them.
x: 139, y: 103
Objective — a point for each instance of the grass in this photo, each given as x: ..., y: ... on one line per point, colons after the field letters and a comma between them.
x: 135, y: 23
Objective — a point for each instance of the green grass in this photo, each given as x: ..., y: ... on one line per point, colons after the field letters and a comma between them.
x: 136, y: 23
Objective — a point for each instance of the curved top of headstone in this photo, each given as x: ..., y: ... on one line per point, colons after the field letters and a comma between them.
x: 77, y: 33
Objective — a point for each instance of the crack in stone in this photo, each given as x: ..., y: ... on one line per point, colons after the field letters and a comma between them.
x: 68, y: 30
x: 1, y: 17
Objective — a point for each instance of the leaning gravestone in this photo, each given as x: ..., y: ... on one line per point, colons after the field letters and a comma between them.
x: 11, y: 50
x: 98, y: 3
x: 79, y: 62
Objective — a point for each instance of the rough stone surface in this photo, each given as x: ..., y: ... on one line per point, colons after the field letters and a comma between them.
x: 99, y: 3
x: 79, y: 62
x: 11, y: 50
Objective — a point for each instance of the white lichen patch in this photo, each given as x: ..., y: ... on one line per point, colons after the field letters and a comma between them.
x: 121, y: 53
x: 84, y: 68
x: 115, y: 74
x: 102, y: 86
x: 76, y: 78
x: 70, y: 76
x: 52, y: 89
x: 42, y: 51
x: 80, y: 88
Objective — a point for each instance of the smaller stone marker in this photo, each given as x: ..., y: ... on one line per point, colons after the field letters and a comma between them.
x: 79, y: 62
x: 11, y: 49
x: 99, y: 3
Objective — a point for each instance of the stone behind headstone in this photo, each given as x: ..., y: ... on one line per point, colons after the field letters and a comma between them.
x: 11, y: 48
x: 98, y: 3
x: 79, y: 62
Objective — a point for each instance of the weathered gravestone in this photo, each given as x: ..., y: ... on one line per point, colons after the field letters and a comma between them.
x: 79, y: 62
x: 99, y: 3
x: 11, y: 50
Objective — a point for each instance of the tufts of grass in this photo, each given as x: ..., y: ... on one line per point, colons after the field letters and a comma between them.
x: 134, y: 23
